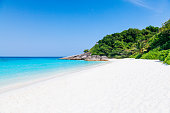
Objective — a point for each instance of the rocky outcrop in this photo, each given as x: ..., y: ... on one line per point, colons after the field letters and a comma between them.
x: 87, y: 57
x: 96, y: 58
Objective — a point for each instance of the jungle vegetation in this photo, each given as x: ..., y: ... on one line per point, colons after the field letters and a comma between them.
x: 149, y: 43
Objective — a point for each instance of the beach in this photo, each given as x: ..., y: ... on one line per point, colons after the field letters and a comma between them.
x: 119, y: 86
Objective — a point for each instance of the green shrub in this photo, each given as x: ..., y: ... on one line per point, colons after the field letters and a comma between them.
x: 133, y: 55
x: 167, y: 59
x: 86, y: 50
x: 153, y: 54
x: 118, y: 57
x: 136, y: 55
x: 163, y: 55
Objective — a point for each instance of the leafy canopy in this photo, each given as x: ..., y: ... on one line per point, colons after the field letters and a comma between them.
x: 135, y: 43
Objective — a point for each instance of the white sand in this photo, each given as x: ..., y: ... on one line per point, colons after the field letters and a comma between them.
x: 122, y: 86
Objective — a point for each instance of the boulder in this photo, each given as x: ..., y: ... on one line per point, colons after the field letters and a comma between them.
x: 96, y: 58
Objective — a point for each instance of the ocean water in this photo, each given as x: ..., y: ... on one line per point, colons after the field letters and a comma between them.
x: 15, y: 69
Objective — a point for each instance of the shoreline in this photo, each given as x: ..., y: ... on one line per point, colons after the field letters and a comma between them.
x: 119, y: 86
x: 23, y: 83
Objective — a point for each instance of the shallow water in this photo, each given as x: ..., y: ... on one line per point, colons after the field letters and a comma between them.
x: 17, y: 68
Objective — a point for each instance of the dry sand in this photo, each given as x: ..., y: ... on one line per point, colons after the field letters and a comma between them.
x: 121, y: 86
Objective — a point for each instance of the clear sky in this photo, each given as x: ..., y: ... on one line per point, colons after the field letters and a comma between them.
x: 67, y: 27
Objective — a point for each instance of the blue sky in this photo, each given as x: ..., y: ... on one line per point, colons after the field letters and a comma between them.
x: 67, y: 27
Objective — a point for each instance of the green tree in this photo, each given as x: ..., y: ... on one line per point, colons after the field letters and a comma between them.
x: 86, y: 50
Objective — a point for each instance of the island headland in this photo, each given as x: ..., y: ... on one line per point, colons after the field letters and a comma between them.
x: 149, y: 43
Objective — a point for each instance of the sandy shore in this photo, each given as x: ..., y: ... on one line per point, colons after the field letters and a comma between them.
x: 122, y: 86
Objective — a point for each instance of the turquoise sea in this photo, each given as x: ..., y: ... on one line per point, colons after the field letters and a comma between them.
x: 15, y: 69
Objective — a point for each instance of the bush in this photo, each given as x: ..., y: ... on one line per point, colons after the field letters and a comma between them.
x: 118, y: 57
x: 136, y: 55
x: 167, y: 59
x: 133, y: 55
x: 163, y: 55
x: 86, y: 50
x: 153, y: 54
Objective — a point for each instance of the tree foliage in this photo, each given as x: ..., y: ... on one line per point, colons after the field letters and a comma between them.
x: 86, y: 50
x: 134, y: 42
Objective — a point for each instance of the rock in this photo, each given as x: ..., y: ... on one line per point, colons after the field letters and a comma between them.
x: 97, y: 58
x: 104, y: 58
x: 87, y: 57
